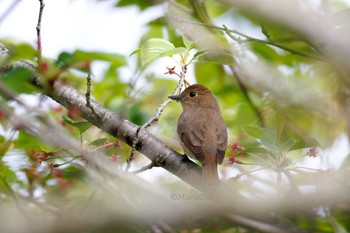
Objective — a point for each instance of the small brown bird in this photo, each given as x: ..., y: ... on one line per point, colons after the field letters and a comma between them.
x: 202, y: 130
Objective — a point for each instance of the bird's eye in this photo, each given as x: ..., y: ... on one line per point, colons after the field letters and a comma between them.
x: 193, y: 94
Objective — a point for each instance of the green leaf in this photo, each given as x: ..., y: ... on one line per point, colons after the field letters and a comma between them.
x: 7, y: 175
x: 135, y: 51
x: 98, y: 142
x: 70, y: 59
x: 2, y: 139
x: 267, y: 136
x: 174, y: 51
x: 156, y: 48
x: 17, y: 80
x: 23, y: 51
x: 198, y: 54
x: 136, y: 115
x: 209, y: 74
x: 253, y: 131
x: 66, y: 59
x: 265, y: 51
x: 253, y: 150
x: 29, y: 142
x: 115, y: 59
x: 72, y: 172
x: 4, y: 146
x: 270, y: 145
x: 141, y: 4
x: 286, y: 146
x: 82, y: 126
x: 271, y: 133
x: 301, y: 144
x: 188, y: 44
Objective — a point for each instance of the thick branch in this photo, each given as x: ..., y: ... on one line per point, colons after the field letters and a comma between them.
x: 125, y: 131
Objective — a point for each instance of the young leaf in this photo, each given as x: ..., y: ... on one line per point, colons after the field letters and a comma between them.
x: 68, y: 120
x: 115, y: 59
x: 17, y: 80
x: 286, y: 146
x: 134, y: 52
x: 254, y: 150
x: 253, y: 131
x: 156, y: 48
x: 198, y: 54
x: 270, y: 133
x: 270, y: 145
x: 82, y: 126
x: 98, y: 142
x: 188, y: 44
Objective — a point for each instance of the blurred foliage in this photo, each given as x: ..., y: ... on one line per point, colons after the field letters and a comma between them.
x: 301, y: 98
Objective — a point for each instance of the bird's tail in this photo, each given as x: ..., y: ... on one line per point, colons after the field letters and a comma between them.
x: 210, y: 173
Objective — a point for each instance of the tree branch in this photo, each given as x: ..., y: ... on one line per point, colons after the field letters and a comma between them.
x: 120, y: 128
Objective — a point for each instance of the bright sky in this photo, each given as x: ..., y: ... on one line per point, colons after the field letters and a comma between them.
x: 89, y: 25
x: 83, y: 24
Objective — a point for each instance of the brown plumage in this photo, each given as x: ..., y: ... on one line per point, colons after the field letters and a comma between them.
x: 202, y: 130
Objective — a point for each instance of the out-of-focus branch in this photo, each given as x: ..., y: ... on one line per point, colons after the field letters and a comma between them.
x: 317, y: 29
x: 256, y: 225
x: 9, y: 9
x: 14, y: 196
x: 246, y: 95
x: 272, y: 43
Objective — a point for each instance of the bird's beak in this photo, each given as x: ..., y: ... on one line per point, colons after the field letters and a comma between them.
x: 175, y: 97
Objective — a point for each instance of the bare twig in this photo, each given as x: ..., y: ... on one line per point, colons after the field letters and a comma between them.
x: 88, y: 90
x: 252, y: 39
x: 156, y: 116
x: 144, y: 168
x: 88, y: 93
x: 245, y: 93
x: 133, y: 149
x: 38, y: 28
x: 268, y: 42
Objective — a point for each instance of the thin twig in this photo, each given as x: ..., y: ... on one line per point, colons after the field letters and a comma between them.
x: 156, y: 116
x: 88, y: 93
x: 246, y: 173
x: 133, y: 149
x: 144, y: 168
x: 88, y: 90
x: 252, y: 39
x: 165, y: 103
x: 38, y: 28
x: 245, y: 93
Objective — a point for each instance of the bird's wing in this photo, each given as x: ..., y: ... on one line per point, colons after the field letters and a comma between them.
x: 221, y: 135
x: 192, y: 136
x: 196, y: 133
